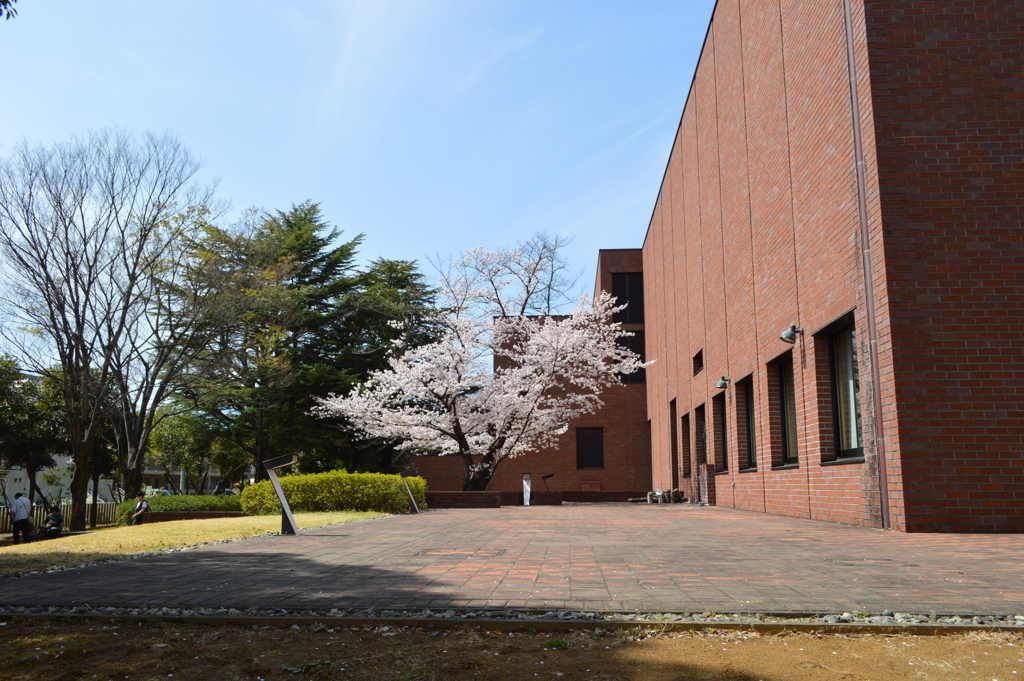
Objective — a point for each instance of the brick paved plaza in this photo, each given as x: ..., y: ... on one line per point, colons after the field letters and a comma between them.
x: 579, y: 557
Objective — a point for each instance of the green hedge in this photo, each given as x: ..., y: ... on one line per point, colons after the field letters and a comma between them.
x: 179, y: 502
x: 336, y: 491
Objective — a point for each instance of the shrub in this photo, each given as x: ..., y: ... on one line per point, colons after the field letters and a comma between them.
x: 336, y: 491
x: 179, y: 502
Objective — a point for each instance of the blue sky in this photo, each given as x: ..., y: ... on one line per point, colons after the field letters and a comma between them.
x: 429, y: 126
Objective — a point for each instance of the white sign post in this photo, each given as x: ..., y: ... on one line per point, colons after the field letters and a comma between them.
x: 526, y: 489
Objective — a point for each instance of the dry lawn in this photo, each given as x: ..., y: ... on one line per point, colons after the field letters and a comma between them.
x: 108, y: 649
x: 124, y: 541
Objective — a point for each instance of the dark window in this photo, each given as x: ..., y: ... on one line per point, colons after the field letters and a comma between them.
x: 721, y: 433
x: 787, y: 410
x: 845, y: 392
x: 590, y: 448
x: 686, y: 445
x: 700, y: 435
x: 745, y: 435
x: 628, y: 289
x: 674, y: 442
x: 698, y: 362
x: 636, y: 344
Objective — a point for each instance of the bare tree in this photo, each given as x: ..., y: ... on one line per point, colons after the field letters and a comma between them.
x: 531, y: 279
x: 87, y: 229
x: 174, y: 340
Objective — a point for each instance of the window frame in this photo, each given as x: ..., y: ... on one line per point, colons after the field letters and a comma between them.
x: 624, y: 285
x: 599, y: 431
x: 684, y: 435
x: 700, y: 435
x: 745, y: 415
x: 721, y: 436
x: 785, y: 379
x: 674, y: 442
x: 637, y: 339
x: 836, y: 396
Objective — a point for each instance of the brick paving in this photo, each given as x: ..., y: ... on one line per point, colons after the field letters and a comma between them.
x: 578, y: 557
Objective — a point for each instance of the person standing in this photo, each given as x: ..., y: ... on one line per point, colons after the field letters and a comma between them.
x: 141, y: 506
x: 21, y: 512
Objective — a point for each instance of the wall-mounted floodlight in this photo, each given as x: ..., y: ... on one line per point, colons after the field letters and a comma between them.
x: 412, y: 500
x: 789, y: 335
x: 723, y: 383
x: 288, y: 525
x: 545, y: 478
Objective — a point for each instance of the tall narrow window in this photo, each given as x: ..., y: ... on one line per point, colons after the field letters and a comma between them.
x: 635, y: 343
x: 590, y: 448
x: 685, y: 434
x: 745, y: 434
x: 845, y: 392
x: 787, y: 408
x: 700, y: 435
x: 674, y: 442
x: 628, y: 289
x: 721, y: 433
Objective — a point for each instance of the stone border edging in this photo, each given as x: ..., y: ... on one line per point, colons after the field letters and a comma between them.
x: 541, y: 625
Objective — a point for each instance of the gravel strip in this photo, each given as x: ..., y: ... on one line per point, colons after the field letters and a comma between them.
x: 886, y: 618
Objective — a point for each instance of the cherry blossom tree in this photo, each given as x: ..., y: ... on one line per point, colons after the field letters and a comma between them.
x: 506, y: 377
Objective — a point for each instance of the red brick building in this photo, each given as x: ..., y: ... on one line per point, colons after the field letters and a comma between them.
x: 903, y: 282
x: 608, y: 451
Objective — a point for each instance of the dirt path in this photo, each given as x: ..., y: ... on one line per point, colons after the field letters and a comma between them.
x: 119, y: 650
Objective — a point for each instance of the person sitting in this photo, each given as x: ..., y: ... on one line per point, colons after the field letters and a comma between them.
x: 54, y: 523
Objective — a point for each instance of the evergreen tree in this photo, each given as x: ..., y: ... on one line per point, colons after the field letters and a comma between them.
x: 317, y: 325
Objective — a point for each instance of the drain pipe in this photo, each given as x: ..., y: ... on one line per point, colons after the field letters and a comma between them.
x: 869, y: 288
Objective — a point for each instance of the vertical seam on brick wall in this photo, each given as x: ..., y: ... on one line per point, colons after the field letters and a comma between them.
x: 750, y: 226
x: 670, y: 234
x: 869, y: 292
x: 684, y: 375
x: 796, y: 267
x: 725, y: 293
x: 700, y: 234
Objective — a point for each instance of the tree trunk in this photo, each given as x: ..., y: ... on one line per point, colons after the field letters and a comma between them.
x: 476, y: 477
x: 79, y: 492
x: 128, y: 434
x: 95, y: 500
x: 132, y: 482
x: 33, y: 487
x: 170, y: 481
x: 476, y: 484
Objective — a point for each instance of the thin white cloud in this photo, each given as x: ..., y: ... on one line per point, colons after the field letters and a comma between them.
x: 498, y: 54
x: 371, y: 47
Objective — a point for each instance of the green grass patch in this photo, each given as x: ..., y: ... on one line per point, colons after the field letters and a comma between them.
x: 125, y: 541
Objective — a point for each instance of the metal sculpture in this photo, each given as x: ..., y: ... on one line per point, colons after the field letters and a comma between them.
x: 288, y: 525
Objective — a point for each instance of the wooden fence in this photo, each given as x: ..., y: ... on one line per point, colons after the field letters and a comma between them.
x: 106, y: 514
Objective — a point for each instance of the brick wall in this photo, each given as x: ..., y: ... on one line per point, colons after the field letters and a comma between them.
x: 626, y: 454
x: 756, y: 226
x: 947, y: 84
